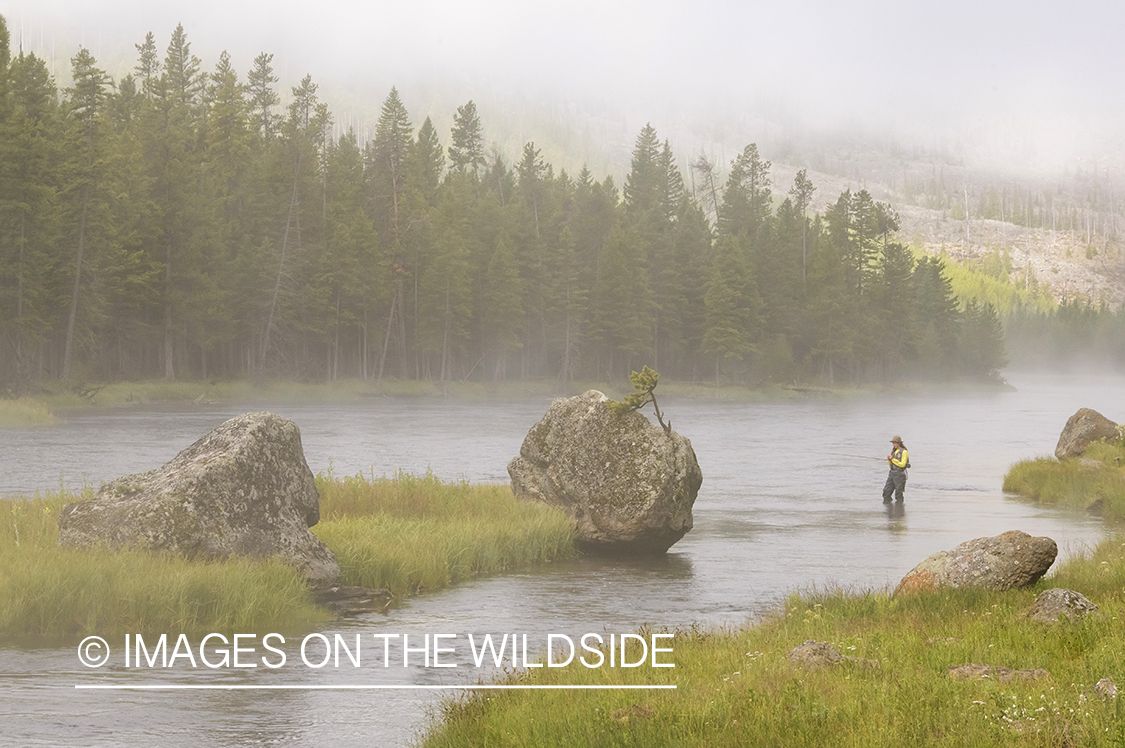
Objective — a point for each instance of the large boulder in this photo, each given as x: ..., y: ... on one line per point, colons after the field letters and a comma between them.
x: 242, y: 490
x: 627, y: 483
x: 1009, y: 560
x: 1083, y: 427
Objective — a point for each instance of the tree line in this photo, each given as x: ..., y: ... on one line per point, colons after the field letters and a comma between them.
x: 184, y: 224
x: 1077, y: 335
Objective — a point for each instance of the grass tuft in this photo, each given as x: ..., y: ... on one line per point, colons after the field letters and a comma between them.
x: 47, y: 591
x: 409, y: 533
x: 405, y: 533
x: 1095, y: 483
x: 24, y: 412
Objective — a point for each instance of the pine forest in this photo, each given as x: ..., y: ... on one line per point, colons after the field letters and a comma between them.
x: 181, y: 223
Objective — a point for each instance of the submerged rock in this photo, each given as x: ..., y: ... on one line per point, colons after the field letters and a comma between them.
x: 1057, y: 602
x: 628, y: 485
x: 1081, y: 429
x: 350, y: 601
x: 1006, y: 561
x: 242, y: 490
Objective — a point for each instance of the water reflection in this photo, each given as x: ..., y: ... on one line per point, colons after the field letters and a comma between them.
x: 896, y: 511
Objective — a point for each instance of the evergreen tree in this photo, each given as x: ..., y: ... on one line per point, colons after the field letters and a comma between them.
x: 531, y: 172
x: 802, y: 192
x: 897, y: 323
x: 302, y: 238
x: 387, y: 175
x: 502, y: 307
x: 645, y: 184
x: 181, y: 69
x: 428, y: 161
x: 148, y: 63
x: 346, y: 275
x: 88, y: 177
x: 732, y: 306
x: 672, y: 193
x: 833, y: 307
x: 621, y: 318
x: 466, y: 152
x: 982, y: 341
x: 746, y: 198
x: 131, y: 274
x: 776, y: 254
x: 938, y: 318
x: 445, y: 285
x: 30, y: 138
x: 567, y: 303
x: 263, y: 97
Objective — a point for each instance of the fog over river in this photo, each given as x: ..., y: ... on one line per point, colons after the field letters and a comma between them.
x: 790, y: 500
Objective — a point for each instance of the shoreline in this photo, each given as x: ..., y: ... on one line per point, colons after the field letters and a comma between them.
x: 895, y: 684
x: 45, y: 407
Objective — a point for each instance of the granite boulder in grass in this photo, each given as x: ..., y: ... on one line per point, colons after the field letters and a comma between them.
x: 1007, y: 561
x: 243, y: 490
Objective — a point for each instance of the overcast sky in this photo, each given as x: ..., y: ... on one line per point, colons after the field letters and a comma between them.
x: 1030, y: 66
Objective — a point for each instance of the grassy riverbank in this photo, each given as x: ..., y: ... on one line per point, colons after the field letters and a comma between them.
x: 55, y: 397
x: 25, y: 412
x: 411, y: 533
x: 407, y: 533
x: 1096, y: 483
x: 47, y: 591
x: 737, y: 688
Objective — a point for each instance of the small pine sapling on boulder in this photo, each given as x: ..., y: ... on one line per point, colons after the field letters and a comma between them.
x: 644, y: 382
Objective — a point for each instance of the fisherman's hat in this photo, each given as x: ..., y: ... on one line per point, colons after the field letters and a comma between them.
x: 896, y: 439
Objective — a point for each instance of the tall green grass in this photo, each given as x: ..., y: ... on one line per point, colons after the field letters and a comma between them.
x: 409, y: 533
x: 24, y: 412
x: 1098, y: 486
x: 737, y: 687
x: 50, y: 591
x: 405, y: 533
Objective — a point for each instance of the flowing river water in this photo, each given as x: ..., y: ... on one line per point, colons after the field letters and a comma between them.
x: 790, y: 500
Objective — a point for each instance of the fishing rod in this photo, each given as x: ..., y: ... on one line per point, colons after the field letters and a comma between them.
x: 857, y: 457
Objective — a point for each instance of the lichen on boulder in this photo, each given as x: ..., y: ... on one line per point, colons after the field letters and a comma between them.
x: 1057, y: 603
x: 628, y: 484
x: 1007, y: 561
x: 244, y: 489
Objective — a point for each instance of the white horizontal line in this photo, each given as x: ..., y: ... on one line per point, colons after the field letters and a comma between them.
x: 219, y: 687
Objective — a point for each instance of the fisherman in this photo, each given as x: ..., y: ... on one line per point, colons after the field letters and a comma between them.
x: 899, y: 461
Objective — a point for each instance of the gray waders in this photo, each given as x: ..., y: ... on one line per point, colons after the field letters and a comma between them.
x: 896, y: 484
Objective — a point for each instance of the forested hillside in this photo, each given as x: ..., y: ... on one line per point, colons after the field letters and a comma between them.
x: 180, y: 223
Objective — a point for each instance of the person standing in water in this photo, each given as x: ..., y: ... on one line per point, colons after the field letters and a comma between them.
x: 899, y: 461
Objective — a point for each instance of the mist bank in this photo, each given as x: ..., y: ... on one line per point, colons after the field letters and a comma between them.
x: 184, y: 224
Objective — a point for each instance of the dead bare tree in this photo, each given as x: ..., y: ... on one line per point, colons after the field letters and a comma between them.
x: 706, y: 169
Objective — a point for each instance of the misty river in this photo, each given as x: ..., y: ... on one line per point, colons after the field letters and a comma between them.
x: 790, y: 500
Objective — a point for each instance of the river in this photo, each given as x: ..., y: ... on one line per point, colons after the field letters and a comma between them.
x: 790, y: 500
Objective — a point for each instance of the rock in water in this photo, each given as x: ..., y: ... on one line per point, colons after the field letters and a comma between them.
x: 1009, y: 560
x: 628, y: 485
x: 242, y: 490
x: 1083, y: 427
